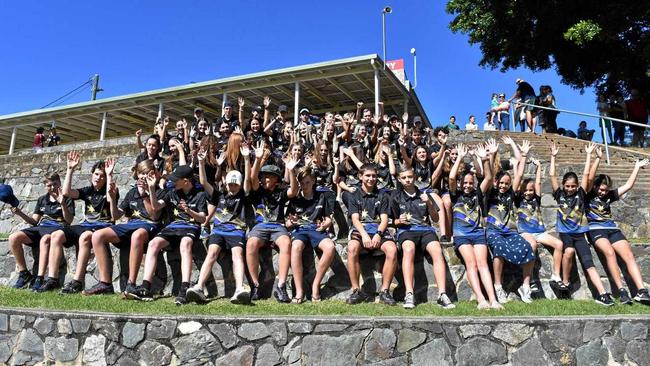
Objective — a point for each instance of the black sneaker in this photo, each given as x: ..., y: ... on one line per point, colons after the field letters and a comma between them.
x: 255, y: 293
x: 563, y: 291
x: 38, y: 282
x: 139, y: 293
x: 181, y: 298
x: 195, y: 294
x: 444, y: 301
x: 72, y: 287
x: 49, y: 284
x: 624, y: 297
x: 24, y: 278
x: 130, y: 287
x: 642, y: 296
x: 605, y: 300
x: 357, y: 297
x: 99, y: 289
x: 386, y: 298
x: 280, y: 294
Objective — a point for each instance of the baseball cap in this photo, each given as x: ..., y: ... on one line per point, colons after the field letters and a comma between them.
x: 519, y: 81
x: 304, y: 110
x: 258, y: 109
x: 198, y: 109
x: 7, y: 195
x: 417, y: 119
x: 182, y: 172
x: 282, y: 108
x: 394, y: 116
x: 227, y: 104
x: 271, y: 169
x: 233, y: 176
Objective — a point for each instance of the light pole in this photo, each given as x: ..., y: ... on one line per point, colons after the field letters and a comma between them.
x: 386, y: 10
x: 415, y: 68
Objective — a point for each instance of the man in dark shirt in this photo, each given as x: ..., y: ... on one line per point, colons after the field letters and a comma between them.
x: 526, y: 93
x: 228, y: 117
x: 368, y: 209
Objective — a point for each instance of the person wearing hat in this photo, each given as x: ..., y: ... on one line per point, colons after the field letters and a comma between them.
x: 269, y: 200
x: 198, y: 116
x: 53, y: 211
x: 502, y: 111
x: 144, y: 221
x: 275, y: 126
x: 97, y: 216
x: 186, y: 207
x: 228, y: 117
x: 526, y: 93
x: 229, y: 209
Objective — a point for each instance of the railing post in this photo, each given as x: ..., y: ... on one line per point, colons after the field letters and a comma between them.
x: 224, y: 100
x: 602, y: 129
x: 161, y: 110
x: 296, y: 103
x: 12, y: 144
x: 377, y: 91
x: 102, y: 132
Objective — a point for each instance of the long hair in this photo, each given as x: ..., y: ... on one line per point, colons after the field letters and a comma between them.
x: 232, y: 151
x: 524, y: 184
x: 569, y: 175
x: 209, y: 142
x: 600, y: 180
x: 143, y: 167
x: 317, y: 157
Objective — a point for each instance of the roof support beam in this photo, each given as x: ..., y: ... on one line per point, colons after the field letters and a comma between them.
x: 341, y: 88
x: 364, y: 83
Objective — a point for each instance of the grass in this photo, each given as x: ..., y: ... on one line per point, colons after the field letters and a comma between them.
x: 4, y: 236
x: 165, y: 306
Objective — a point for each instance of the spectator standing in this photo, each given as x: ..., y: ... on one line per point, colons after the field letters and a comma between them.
x: 584, y: 133
x: 526, y: 92
x: 502, y: 113
x: 489, y: 124
x: 39, y: 139
x: 471, y: 125
x: 53, y: 139
x: 452, y: 124
x: 603, y: 111
x: 636, y: 110
x: 615, y: 110
x: 547, y: 117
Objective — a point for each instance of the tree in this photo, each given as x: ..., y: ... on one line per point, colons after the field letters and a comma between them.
x: 604, y: 44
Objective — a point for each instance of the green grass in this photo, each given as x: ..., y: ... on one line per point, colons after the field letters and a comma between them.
x: 165, y: 306
x: 639, y: 240
x: 4, y: 236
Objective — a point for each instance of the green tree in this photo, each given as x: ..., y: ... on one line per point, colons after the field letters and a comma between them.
x: 604, y: 44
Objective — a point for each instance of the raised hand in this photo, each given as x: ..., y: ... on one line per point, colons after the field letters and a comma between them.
x: 138, y: 133
x: 642, y: 163
x: 166, y: 121
x: 554, y: 149
x: 385, y: 148
x: 590, y: 148
x: 443, y: 139
x: 151, y: 181
x: 109, y: 166
x: 492, y: 146
x: 291, y: 164
x: 259, y: 149
x: 202, y: 154
x: 359, y: 105
x: 267, y: 102
x: 599, y: 152
x: 536, y: 162
x: 335, y: 160
x: 386, y: 118
x: 221, y: 158
x: 245, y: 150
x: 507, y: 140
x: 462, y: 150
x: 59, y: 195
x: 525, y: 147
x: 73, y: 160
x: 405, y: 117
x: 241, y: 102
x: 424, y: 197
x: 481, y: 152
x: 112, y: 191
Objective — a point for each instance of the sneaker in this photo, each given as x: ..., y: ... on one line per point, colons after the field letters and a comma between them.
x: 642, y: 296
x: 496, y: 306
x: 356, y: 297
x: 534, y: 288
x: 605, y: 299
x: 444, y: 301
x: 524, y: 294
x: 130, y: 288
x: 241, y: 296
x: 563, y: 291
x: 196, y: 294
x: 139, y: 293
x: 99, y: 289
x: 483, y: 305
x: 49, y: 284
x: 24, y: 278
x: 624, y: 297
x: 502, y: 297
x: 444, y: 238
x: 38, y: 282
x: 72, y: 287
x: 280, y: 294
x: 181, y: 298
x: 386, y: 298
x: 409, y: 301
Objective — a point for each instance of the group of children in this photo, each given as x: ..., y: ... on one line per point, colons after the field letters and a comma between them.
x: 253, y: 197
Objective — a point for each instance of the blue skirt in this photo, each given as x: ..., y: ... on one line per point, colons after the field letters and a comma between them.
x: 512, y: 247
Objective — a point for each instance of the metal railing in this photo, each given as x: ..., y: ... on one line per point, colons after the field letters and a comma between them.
x: 602, y: 119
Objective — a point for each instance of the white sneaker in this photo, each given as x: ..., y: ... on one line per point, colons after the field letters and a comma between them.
x: 502, y: 296
x: 445, y: 302
x: 524, y: 294
x: 241, y: 296
x: 409, y: 301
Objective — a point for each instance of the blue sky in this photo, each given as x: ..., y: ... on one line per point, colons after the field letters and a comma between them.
x: 49, y: 48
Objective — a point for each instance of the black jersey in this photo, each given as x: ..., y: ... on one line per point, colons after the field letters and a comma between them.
x: 196, y: 200
x: 500, y: 211
x: 133, y: 205
x: 415, y: 210
x: 97, y: 208
x: 230, y: 209
x: 269, y: 205
x: 369, y: 206
x: 50, y: 210
x: 311, y: 210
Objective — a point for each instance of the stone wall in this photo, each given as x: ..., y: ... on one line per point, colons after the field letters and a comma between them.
x: 29, y: 337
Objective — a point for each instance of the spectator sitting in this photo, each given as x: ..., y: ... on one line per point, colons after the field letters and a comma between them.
x: 489, y: 124
x: 471, y: 125
x: 567, y: 133
x: 53, y: 139
x: 452, y: 124
x: 584, y: 133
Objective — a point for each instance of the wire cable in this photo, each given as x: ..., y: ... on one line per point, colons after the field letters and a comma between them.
x: 75, y: 91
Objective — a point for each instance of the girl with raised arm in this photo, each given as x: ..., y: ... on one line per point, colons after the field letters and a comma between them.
x: 572, y: 225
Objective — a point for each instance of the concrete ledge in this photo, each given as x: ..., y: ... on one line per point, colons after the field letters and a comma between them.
x: 42, y: 337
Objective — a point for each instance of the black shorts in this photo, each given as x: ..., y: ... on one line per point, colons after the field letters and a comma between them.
x: 613, y: 235
x: 355, y: 235
x: 227, y: 239
x: 124, y: 231
x: 35, y: 233
x: 420, y: 238
x: 174, y: 233
x: 73, y: 233
x: 578, y: 242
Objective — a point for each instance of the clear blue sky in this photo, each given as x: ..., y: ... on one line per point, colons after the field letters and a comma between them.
x: 49, y: 48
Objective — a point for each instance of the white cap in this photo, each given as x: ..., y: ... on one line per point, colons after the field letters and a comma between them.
x: 233, y: 176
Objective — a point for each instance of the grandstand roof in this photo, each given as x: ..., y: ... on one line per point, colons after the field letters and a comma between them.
x: 326, y: 86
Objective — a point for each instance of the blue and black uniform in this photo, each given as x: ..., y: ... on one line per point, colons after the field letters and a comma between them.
x: 385, y: 181
x: 370, y: 206
x: 599, y: 217
x: 97, y: 215
x: 51, y: 218
x: 324, y: 178
x: 423, y: 173
x: 230, y: 218
x: 269, y: 213
x: 501, y: 224
x: 529, y: 215
x: 468, y: 214
x: 572, y: 223
x: 135, y: 210
x: 310, y: 211
x: 418, y: 226
x: 182, y: 224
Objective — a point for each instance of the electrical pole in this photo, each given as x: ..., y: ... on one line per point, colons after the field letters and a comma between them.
x: 95, y: 88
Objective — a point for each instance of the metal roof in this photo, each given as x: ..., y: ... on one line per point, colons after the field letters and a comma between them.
x: 327, y: 86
